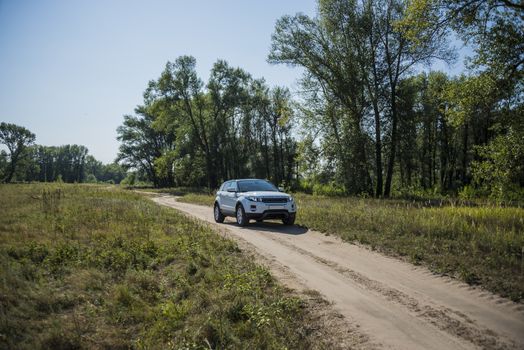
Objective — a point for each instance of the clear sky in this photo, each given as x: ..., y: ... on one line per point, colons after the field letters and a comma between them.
x: 69, y: 70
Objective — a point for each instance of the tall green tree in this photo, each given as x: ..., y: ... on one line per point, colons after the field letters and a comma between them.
x: 142, y: 145
x: 494, y: 28
x: 233, y: 126
x: 17, y: 139
x: 311, y: 43
x: 357, y: 56
x: 3, y: 163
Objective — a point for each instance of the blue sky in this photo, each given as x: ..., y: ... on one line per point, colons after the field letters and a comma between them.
x: 69, y: 70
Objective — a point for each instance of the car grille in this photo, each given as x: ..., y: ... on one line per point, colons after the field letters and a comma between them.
x: 274, y: 199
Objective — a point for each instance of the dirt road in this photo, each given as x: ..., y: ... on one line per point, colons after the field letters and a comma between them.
x: 395, y: 304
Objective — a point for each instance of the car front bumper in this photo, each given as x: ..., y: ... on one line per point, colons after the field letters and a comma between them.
x: 262, y: 211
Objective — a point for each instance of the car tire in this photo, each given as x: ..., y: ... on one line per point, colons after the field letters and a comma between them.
x: 290, y: 220
x: 240, y: 214
x: 217, y: 213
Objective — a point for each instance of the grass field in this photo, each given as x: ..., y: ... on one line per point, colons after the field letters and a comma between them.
x: 481, y: 245
x: 93, y: 267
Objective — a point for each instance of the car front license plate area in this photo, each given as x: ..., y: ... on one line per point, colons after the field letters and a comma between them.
x: 277, y: 207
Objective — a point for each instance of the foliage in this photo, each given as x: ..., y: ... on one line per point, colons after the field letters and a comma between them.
x: 500, y: 173
x: 68, y: 163
x: 493, y: 27
x: 141, y: 144
x: 3, y: 163
x: 88, y: 267
x: 191, y: 134
x: 104, y: 172
x: 17, y: 139
x: 369, y: 121
x: 355, y: 58
x: 359, y: 58
x: 491, y: 97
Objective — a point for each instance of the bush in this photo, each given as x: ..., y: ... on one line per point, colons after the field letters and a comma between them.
x: 330, y: 189
x: 91, y: 179
x: 129, y: 180
x: 500, y: 173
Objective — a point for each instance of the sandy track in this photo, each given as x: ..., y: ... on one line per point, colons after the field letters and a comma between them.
x: 392, y: 303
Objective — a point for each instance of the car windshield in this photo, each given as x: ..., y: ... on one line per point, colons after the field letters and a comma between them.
x: 255, y: 185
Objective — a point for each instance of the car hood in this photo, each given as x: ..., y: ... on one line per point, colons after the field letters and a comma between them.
x: 266, y: 194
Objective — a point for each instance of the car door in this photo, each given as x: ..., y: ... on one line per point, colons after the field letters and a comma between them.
x: 222, y: 196
x: 230, y: 197
x: 220, y: 192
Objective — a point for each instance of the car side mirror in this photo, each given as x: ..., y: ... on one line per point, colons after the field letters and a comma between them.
x: 281, y: 189
x: 231, y: 190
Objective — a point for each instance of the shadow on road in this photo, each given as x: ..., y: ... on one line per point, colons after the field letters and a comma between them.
x: 275, y: 227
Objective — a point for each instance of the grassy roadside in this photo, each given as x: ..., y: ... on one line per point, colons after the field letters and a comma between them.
x: 88, y: 267
x: 481, y: 245
x: 198, y: 198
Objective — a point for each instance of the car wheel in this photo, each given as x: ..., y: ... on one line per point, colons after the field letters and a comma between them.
x: 242, y: 220
x: 290, y: 220
x: 219, y: 217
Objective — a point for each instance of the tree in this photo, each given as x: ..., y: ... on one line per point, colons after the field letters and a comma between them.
x: 142, y: 145
x: 495, y: 28
x: 331, y: 68
x: 17, y: 139
x: 180, y: 86
x: 96, y: 171
x: 357, y: 56
x: 402, y: 53
x: 3, y: 163
x: 500, y: 172
x: 233, y: 126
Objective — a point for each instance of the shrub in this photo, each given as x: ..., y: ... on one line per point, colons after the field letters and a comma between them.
x: 330, y: 189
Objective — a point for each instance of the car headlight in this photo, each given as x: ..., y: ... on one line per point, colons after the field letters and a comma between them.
x: 290, y: 199
x: 254, y: 199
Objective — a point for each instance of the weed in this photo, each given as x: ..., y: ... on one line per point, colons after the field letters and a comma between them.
x: 87, y: 267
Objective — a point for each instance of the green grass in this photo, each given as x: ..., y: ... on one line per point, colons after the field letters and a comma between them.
x: 175, y: 191
x: 88, y: 267
x: 198, y: 198
x: 481, y: 245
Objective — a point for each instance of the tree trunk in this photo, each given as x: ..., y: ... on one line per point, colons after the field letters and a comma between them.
x: 465, y: 154
x: 11, y: 172
x: 266, y: 154
x: 209, y: 171
x: 378, y: 151
x: 391, y: 160
x: 12, y: 168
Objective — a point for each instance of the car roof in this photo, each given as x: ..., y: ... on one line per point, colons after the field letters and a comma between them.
x: 246, y: 180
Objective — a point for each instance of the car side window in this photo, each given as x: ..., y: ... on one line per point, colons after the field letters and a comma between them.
x: 232, y: 185
x: 224, y: 186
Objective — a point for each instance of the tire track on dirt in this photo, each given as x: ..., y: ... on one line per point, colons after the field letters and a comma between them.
x: 440, y: 317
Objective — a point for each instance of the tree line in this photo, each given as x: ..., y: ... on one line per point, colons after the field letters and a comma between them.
x: 371, y: 118
x: 25, y: 162
x: 191, y: 133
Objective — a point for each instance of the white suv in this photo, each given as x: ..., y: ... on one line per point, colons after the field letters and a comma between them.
x: 253, y: 199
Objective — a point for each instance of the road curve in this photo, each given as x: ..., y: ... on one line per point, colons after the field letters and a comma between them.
x: 395, y: 304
